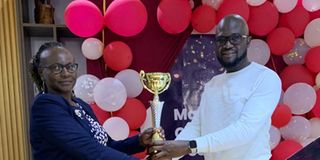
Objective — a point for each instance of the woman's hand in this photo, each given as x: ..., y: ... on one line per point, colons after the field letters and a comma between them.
x: 146, y: 136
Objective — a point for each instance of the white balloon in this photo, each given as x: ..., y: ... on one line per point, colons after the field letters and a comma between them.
x: 214, y: 3
x: 315, y: 127
x: 255, y: 2
x: 311, y: 5
x: 285, y: 6
x: 258, y: 51
x: 307, y: 141
x: 84, y: 87
x: 312, y: 33
x: 92, y: 48
x: 298, y: 129
x: 275, y: 137
x: 131, y: 80
x: 117, y: 128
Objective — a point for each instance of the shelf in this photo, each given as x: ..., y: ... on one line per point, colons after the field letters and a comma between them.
x: 63, y: 31
x: 38, y: 30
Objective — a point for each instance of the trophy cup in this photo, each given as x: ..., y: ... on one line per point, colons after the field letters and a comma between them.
x: 156, y: 83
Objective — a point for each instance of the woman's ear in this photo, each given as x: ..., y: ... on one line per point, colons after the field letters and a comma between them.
x: 249, y: 40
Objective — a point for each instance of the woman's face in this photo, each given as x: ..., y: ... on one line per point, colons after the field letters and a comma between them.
x: 58, y: 70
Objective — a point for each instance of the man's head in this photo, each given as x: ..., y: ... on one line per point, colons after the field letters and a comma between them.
x: 232, y: 40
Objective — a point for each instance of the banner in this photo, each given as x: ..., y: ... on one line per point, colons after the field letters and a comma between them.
x: 194, y: 67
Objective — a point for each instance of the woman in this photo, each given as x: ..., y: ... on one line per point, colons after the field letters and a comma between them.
x: 63, y: 126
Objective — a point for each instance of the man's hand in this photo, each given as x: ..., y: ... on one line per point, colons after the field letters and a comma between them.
x: 169, y: 149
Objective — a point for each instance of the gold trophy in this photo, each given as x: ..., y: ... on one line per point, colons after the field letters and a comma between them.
x: 156, y: 83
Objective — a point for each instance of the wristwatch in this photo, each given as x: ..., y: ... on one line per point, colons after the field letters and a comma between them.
x: 193, y: 146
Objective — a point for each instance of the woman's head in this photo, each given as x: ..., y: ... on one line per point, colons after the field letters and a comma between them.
x: 53, y: 69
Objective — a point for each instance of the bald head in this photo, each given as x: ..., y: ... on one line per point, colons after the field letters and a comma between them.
x: 232, y: 23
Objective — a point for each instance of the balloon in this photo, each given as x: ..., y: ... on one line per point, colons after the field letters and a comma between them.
x: 285, y: 6
x: 92, y: 48
x: 289, y: 20
x: 318, y: 80
x: 83, y: 18
x: 203, y: 18
x: 314, y: 15
x: 260, y: 23
x: 285, y: 149
x: 315, y: 127
x: 280, y: 41
x: 300, y: 97
x: 214, y: 3
x: 133, y: 133
x: 275, y: 137
x: 312, y: 33
x: 316, y: 108
x: 307, y: 141
x: 131, y: 80
x: 101, y: 115
x: 311, y: 5
x: 134, y: 112
x: 239, y: 7
x: 117, y: 128
x: 298, y: 129
x: 281, y: 116
x: 312, y: 59
x: 126, y: 17
x: 117, y: 55
x: 174, y: 16
x: 110, y: 94
x: 297, y: 54
x: 255, y: 2
x: 294, y: 74
x: 258, y: 51
x: 84, y: 87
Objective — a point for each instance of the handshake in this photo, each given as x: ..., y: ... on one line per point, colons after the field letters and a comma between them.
x: 163, y: 149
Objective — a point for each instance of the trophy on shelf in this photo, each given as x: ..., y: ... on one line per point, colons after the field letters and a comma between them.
x: 156, y: 83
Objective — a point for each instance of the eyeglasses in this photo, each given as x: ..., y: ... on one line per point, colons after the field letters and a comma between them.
x: 234, y: 39
x: 57, y: 67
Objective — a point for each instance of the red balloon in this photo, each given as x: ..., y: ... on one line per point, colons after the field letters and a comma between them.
x: 174, y: 16
x: 134, y: 112
x: 312, y: 59
x: 285, y: 149
x: 281, y: 115
x: 316, y: 108
x: 101, y: 115
x: 289, y: 20
x: 83, y: 18
x: 263, y: 19
x: 294, y: 74
x: 239, y: 7
x: 280, y: 41
x: 203, y: 18
x: 126, y: 17
x: 117, y: 55
x: 314, y: 15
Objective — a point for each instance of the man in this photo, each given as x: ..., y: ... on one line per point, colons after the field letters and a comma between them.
x: 234, y: 116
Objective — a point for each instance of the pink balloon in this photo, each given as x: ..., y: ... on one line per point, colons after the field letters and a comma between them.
x: 126, y: 17
x: 297, y: 53
x: 312, y: 33
x: 83, y: 18
x: 275, y: 136
x: 214, y: 3
x: 174, y: 16
x: 84, y: 87
x: 298, y: 129
x: 285, y: 6
x: 131, y: 80
x: 311, y: 5
x: 110, y: 94
x: 117, y: 128
x: 259, y: 51
x: 300, y: 97
x: 92, y: 48
x: 255, y: 2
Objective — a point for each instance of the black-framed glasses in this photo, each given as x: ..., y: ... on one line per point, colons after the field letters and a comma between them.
x: 57, y: 67
x: 234, y: 39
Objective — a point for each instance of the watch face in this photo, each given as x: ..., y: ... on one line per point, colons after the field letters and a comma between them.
x: 193, y: 144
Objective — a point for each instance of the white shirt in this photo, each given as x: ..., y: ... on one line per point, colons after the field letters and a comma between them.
x: 234, y: 116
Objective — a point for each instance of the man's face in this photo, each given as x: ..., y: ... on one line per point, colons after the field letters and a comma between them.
x: 232, y: 43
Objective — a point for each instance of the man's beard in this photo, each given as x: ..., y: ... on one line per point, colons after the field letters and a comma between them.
x: 233, y: 63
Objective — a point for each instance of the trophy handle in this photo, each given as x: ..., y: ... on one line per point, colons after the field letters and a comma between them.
x: 143, y: 79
